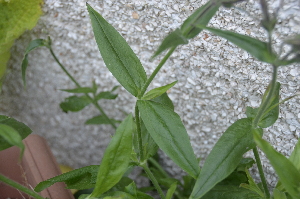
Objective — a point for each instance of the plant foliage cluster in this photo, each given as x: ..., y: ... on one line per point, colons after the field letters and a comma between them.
x: 154, y: 124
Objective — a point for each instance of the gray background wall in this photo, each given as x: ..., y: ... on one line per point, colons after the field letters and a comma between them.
x: 216, y: 80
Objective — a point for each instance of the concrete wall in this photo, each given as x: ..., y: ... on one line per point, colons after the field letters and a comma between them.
x: 216, y: 80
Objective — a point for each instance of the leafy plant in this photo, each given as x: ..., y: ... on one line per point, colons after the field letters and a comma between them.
x: 155, y: 124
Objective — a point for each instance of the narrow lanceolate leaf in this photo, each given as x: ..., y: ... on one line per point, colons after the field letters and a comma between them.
x: 171, y: 191
x: 100, y: 119
x: 22, y: 130
x: 32, y: 45
x: 169, y: 133
x: 79, y: 90
x: 164, y: 100
x: 74, y: 103
x: 255, y: 47
x: 225, y: 156
x: 200, y: 17
x: 116, y: 158
x: 156, y: 92
x: 174, y: 39
x: 11, y: 137
x: 288, y: 174
x: 117, y: 55
x: 83, y: 178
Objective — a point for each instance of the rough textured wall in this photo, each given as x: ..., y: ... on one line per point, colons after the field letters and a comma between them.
x: 216, y: 80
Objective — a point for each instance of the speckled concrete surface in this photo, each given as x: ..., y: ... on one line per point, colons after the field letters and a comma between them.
x: 216, y: 80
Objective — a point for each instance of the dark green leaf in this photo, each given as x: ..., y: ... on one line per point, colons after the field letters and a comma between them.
x: 74, y: 103
x: 168, y: 131
x: 106, y: 95
x: 164, y: 100
x: 100, y: 119
x: 255, y: 47
x: 21, y: 128
x: 83, y: 178
x: 251, y: 112
x: 286, y: 171
x: 245, y: 163
x: 230, y: 192
x: 11, y: 137
x: 117, y: 55
x: 156, y: 92
x: 149, y: 146
x: 80, y: 90
x: 116, y: 158
x: 32, y: 45
x: 174, y: 39
x: 225, y: 156
x: 201, y: 17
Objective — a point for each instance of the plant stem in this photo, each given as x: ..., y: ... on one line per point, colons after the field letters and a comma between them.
x: 139, y: 132
x: 78, y: 85
x: 153, y: 180
x: 261, y: 172
x: 154, y: 73
x: 262, y: 108
x: 157, y: 165
x: 20, y: 187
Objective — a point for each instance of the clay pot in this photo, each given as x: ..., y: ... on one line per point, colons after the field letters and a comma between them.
x: 38, y: 164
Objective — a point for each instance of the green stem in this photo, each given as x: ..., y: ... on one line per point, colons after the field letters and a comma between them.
x: 20, y: 187
x: 261, y: 172
x: 265, y: 103
x: 78, y: 85
x: 155, y: 163
x: 154, y: 73
x: 153, y: 180
x: 139, y: 132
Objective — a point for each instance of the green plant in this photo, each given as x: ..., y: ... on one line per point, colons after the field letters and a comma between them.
x: 155, y: 124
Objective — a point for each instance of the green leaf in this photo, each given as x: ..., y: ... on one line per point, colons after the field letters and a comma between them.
x: 117, y: 55
x: 225, y: 156
x: 295, y: 156
x: 164, y: 100
x: 278, y: 194
x: 255, y: 47
x: 174, y: 39
x: 156, y: 92
x: 252, y: 186
x: 230, y: 192
x: 116, y: 158
x: 105, y: 95
x: 79, y: 90
x: 286, y: 171
x: 149, y: 146
x: 119, y: 195
x: 74, y: 103
x: 83, y: 178
x: 245, y: 163
x: 16, y: 17
x: 19, y: 127
x: 32, y: 45
x: 11, y: 137
x: 200, y: 17
x: 131, y: 189
x: 171, y: 190
x: 168, y: 131
x: 100, y: 119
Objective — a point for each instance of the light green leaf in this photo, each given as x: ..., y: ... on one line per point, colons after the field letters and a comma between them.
x: 164, y: 100
x: 117, y: 55
x: 100, y: 119
x: 32, y: 45
x: 75, y: 103
x: 174, y: 39
x: 119, y: 195
x: 79, y: 90
x: 16, y: 17
x: 116, y: 158
x: 200, y: 17
x: 22, y: 130
x: 278, y: 194
x: 225, y: 156
x: 156, y: 92
x: 168, y: 131
x: 11, y: 137
x: 171, y: 190
x: 286, y: 171
x: 255, y: 47
x: 83, y: 178
x: 252, y: 186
